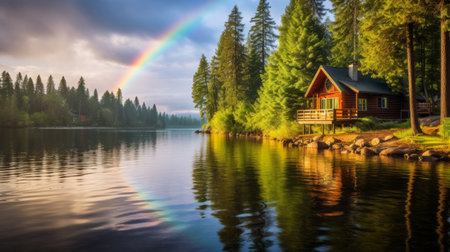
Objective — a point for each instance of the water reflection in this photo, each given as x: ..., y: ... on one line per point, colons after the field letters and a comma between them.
x: 269, y: 197
x: 64, y: 190
x: 176, y: 191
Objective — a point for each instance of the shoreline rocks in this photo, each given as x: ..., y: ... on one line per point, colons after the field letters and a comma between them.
x: 377, y: 146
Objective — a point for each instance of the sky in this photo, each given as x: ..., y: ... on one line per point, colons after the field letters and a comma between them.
x: 100, y: 40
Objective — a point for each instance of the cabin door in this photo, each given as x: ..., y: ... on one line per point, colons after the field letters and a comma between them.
x: 329, y: 103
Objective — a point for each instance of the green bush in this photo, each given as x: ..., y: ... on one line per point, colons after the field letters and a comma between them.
x: 445, y: 128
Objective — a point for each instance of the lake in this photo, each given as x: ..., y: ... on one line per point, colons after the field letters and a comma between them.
x: 172, y: 190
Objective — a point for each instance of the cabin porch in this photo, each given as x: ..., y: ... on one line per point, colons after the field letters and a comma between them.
x: 326, y: 117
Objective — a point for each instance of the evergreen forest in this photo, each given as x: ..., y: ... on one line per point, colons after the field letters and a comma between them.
x: 26, y: 102
x: 256, y: 82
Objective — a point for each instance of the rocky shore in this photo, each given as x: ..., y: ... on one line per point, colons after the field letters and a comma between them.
x: 379, y: 143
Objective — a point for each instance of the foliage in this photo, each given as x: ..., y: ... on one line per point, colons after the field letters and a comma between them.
x: 24, y: 104
x: 342, y: 30
x: 232, y: 71
x: 302, y: 49
x: 261, y: 39
x: 445, y: 128
x: 200, y: 86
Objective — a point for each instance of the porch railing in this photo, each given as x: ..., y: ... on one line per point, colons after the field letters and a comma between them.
x: 327, y: 114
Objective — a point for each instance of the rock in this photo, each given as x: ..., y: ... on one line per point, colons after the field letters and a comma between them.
x: 346, y: 152
x: 428, y: 159
x: 331, y: 140
x: 336, y: 146
x: 299, y: 142
x: 351, y: 147
x: 360, y: 143
x: 376, y: 141
x: 286, y: 142
x: 318, y: 138
x: 389, y: 137
x: 435, y: 123
x: 367, y: 152
x: 317, y: 145
x: 430, y: 153
x: 197, y: 131
x: 412, y: 156
x: 393, y: 151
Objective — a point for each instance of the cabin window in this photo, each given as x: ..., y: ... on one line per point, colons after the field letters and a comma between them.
x: 382, y: 102
x: 329, y: 103
x: 328, y: 84
x: 362, y: 104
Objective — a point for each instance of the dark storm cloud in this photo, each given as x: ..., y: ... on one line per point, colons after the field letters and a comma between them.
x: 39, y: 27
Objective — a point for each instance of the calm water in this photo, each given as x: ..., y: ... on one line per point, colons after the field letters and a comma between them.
x: 117, y: 190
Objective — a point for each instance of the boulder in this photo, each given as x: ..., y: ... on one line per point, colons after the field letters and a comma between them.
x: 389, y: 137
x: 351, y: 147
x: 331, y: 140
x: 367, y: 151
x: 393, y: 151
x: 197, y: 131
x: 336, y: 146
x: 317, y: 145
x: 430, y: 153
x: 360, y: 142
x: 355, y: 138
x: 318, y: 138
x: 286, y: 141
x: 412, y: 156
x: 375, y: 142
x: 435, y: 123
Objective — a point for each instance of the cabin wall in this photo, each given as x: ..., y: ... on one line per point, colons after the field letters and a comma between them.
x: 394, y: 104
x: 321, y: 93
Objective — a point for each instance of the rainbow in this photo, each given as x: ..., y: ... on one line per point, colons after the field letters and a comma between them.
x: 165, y: 41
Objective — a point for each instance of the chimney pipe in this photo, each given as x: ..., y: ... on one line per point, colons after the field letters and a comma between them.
x: 353, y: 71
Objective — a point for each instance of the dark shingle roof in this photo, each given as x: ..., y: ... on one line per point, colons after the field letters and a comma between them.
x: 365, y: 83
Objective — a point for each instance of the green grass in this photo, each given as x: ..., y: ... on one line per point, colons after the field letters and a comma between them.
x: 427, y: 141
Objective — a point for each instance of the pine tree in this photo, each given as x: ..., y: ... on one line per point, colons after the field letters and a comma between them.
x: 215, y: 91
x: 302, y: 49
x: 200, y: 86
x: 232, y: 60
x: 39, y: 87
x: 7, y: 86
x: 63, y: 90
x: 50, y: 85
x: 81, y: 97
x: 30, y: 88
x: 18, y: 84
x: 344, y: 30
x: 261, y: 40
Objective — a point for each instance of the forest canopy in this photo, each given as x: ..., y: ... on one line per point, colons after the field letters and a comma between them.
x: 27, y: 102
x: 249, y: 85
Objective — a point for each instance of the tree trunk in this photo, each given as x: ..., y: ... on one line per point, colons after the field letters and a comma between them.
x: 415, y: 127
x: 445, y: 69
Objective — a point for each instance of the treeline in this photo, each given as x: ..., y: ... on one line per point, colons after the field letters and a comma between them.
x: 248, y: 86
x: 25, y: 102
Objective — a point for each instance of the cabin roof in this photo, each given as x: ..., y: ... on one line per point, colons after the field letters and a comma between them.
x: 344, y: 83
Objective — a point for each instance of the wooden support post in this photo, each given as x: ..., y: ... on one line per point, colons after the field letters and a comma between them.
x: 310, y: 131
x: 303, y: 129
x: 334, y: 128
x: 323, y: 129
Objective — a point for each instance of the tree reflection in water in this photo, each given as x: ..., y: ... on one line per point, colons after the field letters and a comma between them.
x: 270, y: 197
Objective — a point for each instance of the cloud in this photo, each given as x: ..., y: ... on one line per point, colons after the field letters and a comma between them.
x: 98, y: 39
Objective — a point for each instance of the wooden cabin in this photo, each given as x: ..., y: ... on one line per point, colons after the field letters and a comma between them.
x: 341, y: 95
